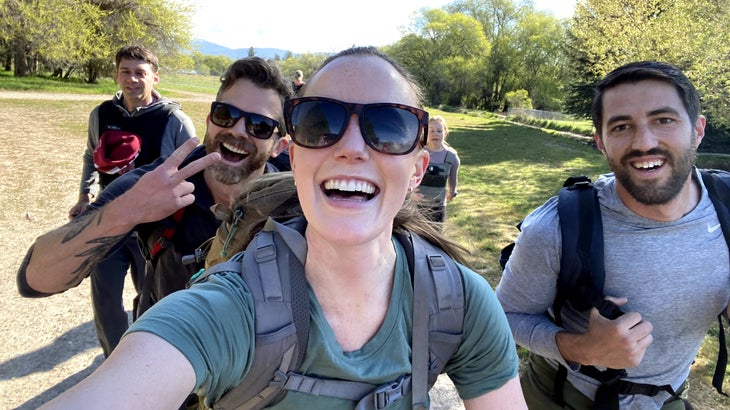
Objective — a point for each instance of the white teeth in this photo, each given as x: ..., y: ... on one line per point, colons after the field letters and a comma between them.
x: 234, y: 149
x: 649, y: 164
x: 350, y: 186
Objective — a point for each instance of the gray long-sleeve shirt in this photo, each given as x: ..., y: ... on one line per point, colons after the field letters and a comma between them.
x: 675, y: 274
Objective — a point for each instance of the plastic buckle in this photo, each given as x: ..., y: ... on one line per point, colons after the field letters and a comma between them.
x: 265, y: 253
x: 388, y: 394
x: 279, y: 380
x: 196, y: 257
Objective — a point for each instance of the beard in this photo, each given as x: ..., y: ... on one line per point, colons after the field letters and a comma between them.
x: 654, y: 193
x: 223, y: 171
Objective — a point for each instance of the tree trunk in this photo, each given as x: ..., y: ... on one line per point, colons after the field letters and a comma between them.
x: 19, y: 56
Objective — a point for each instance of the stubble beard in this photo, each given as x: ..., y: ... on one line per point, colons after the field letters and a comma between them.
x: 653, y: 193
x: 230, y: 175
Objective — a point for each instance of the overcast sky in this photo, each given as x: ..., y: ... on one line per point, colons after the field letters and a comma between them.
x: 317, y: 25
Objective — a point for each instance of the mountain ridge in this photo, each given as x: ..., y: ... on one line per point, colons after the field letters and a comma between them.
x: 208, y: 48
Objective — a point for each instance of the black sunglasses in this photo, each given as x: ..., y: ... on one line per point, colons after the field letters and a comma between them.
x: 257, y: 125
x: 388, y: 128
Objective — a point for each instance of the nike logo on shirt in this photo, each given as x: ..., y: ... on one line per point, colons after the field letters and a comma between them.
x: 711, y: 229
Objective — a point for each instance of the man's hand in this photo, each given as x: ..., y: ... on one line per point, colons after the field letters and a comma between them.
x: 62, y: 258
x: 164, y: 190
x: 79, y: 207
x: 617, y: 344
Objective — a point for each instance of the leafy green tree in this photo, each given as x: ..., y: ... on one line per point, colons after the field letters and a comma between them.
x: 538, y: 40
x: 691, y: 34
x: 63, y: 35
x: 307, y: 62
x: 444, y: 53
x: 519, y: 99
x: 209, y: 64
x: 498, y: 19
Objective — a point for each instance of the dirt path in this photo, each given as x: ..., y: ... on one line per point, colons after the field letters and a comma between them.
x: 49, y: 344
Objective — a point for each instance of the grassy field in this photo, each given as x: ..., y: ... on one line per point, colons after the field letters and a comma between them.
x: 507, y: 170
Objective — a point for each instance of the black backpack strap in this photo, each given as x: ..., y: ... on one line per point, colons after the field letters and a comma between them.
x: 582, y: 275
x: 718, y: 189
x: 581, y: 262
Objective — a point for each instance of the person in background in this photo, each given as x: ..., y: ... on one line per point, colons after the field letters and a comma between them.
x: 298, y: 82
x: 666, y: 259
x: 134, y: 128
x: 439, y: 185
x: 353, y: 183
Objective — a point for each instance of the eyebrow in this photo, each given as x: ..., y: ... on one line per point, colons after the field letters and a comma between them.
x: 664, y: 110
x: 652, y: 113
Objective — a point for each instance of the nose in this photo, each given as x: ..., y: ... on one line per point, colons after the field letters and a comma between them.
x: 644, y: 138
x: 352, y: 144
x: 239, y: 128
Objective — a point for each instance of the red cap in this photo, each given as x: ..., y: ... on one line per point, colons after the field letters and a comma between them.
x: 116, y: 152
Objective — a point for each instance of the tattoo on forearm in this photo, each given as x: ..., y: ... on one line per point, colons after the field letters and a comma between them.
x: 96, y: 253
x: 78, y: 224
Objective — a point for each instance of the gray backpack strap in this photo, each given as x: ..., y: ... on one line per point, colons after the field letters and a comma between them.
x: 343, y: 389
x: 275, y: 277
x: 282, y: 310
x: 438, y: 312
x: 450, y: 157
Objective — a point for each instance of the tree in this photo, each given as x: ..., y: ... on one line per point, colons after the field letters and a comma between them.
x: 66, y: 35
x: 692, y: 34
x: 498, y: 19
x: 519, y: 99
x: 538, y: 40
x: 444, y: 53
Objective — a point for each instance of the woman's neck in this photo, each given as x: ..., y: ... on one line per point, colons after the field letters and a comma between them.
x: 353, y: 285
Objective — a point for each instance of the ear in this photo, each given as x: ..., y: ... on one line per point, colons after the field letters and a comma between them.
x: 280, y: 146
x: 155, y: 78
x: 419, y: 168
x: 599, y: 143
x: 699, y: 129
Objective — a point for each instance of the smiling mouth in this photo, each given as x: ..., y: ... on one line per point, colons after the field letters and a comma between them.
x: 231, y: 153
x: 648, y: 165
x: 349, y: 190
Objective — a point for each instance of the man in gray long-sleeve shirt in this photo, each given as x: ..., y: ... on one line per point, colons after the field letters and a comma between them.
x: 666, y: 260
x: 161, y: 126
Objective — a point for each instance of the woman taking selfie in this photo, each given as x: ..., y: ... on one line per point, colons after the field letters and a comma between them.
x: 357, y: 154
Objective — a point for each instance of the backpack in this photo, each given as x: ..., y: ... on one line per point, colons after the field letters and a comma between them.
x: 582, y: 274
x: 273, y: 268
x: 437, y: 175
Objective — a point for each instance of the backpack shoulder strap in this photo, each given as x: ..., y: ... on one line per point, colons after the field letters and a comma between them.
x: 450, y: 157
x: 170, y: 226
x: 581, y: 262
x: 582, y: 272
x: 718, y: 188
x: 274, y: 273
x: 438, y: 311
